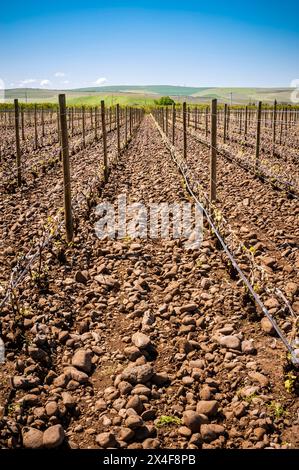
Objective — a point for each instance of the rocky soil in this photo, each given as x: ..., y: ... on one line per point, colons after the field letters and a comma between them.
x: 140, y: 343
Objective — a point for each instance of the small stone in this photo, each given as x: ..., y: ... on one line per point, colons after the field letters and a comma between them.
x: 260, y: 378
x: 134, y: 422
x: 100, y: 405
x: 184, y: 431
x: 125, y: 387
x: 271, y: 303
x: 53, y: 436
x: 140, y: 340
x: 51, y: 408
x: 247, y: 347
x: 210, y: 432
x: 267, y: 326
x: 194, y: 420
x: 239, y: 410
x: 268, y: 261
x: 106, y: 439
x: 132, y: 353
x: 75, y: 374
x: 135, y: 403
x: 188, y: 308
x: 259, y: 433
x: 32, y: 438
x: 137, y: 374
x: 68, y: 400
x: 230, y: 342
x: 292, y: 288
x: 151, y: 443
x: 82, y: 360
x: 126, y: 434
x: 79, y: 277
x: 207, y: 407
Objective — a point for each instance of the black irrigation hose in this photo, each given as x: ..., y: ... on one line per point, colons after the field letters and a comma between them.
x: 171, y: 148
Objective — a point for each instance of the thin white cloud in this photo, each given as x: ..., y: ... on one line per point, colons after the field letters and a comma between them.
x: 45, y: 82
x: 65, y: 82
x: 59, y: 74
x: 100, y: 81
x: 28, y: 81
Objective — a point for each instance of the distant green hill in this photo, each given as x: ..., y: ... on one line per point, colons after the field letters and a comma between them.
x: 136, y: 94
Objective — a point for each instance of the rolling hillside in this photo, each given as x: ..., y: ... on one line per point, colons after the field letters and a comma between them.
x: 135, y: 95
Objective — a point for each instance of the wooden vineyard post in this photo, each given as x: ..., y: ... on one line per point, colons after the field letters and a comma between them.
x: 91, y: 118
x: 126, y: 125
x: 130, y: 121
x: 185, y: 130
x: 258, y: 134
x: 43, y: 123
x: 274, y: 116
x: 224, y: 123
x: 207, y: 110
x: 173, y: 123
x: 18, y: 148
x: 35, y: 127
x: 22, y: 124
x: 195, y: 118
x: 103, y: 116
x: 246, y: 122
x: 118, y: 129
x: 68, y: 218
x: 166, y: 120
x: 163, y: 122
x: 83, y: 126
x: 96, y: 123
x: 72, y: 120
x: 213, y: 154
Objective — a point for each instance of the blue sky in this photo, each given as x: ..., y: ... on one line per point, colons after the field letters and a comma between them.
x: 68, y: 44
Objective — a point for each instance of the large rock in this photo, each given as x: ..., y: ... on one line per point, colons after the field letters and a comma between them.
x: 194, y: 420
x: 207, y: 407
x: 137, y: 374
x: 32, y: 438
x: 75, y: 374
x: 260, y: 378
x: 140, y: 340
x: 82, y: 360
x: 106, y: 439
x: 248, y: 347
x: 267, y: 326
x: 230, y: 342
x: 210, y: 432
x: 53, y: 436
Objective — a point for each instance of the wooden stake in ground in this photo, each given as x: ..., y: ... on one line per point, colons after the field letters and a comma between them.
x: 207, y: 111
x: 118, y: 129
x: 68, y: 217
x: 18, y: 148
x: 35, y: 127
x: 246, y: 122
x: 185, y: 130
x: 213, y: 155
x: 274, y: 116
x: 224, y: 123
x: 104, y: 141
x: 166, y: 118
x: 126, y: 125
x: 173, y: 123
x: 22, y: 124
x: 258, y: 134
x: 96, y: 123
x: 83, y: 126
